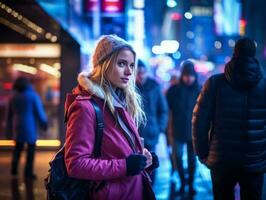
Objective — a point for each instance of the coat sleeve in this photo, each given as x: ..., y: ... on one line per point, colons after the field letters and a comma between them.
x: 169, y: 131
x: 39, y: 111
x: 162, y: 112
x: 202, y: 119
x: 9, y: 121
x: 169, y: 98
x: 79, y: 145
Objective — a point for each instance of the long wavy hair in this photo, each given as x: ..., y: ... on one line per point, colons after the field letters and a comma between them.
x: 132, y: 98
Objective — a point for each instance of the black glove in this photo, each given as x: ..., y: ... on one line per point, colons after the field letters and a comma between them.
x: 135, y: 164
x: 155, y: 162
x: 44, y: 126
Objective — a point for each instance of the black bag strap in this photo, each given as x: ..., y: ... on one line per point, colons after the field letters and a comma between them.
x: 99, y: 129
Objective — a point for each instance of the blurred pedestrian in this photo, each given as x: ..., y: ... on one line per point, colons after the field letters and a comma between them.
x: 181, y: 99
x: 155, y: 108
x: 174, y: 79
x: 25, y: 110
x: 123, y: 164
x: 229, y: 125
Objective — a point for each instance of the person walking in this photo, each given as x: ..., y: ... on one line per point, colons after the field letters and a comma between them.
x: 124, y: 165
x: 25, y: 110
x: 155, y: 108
x: 181, y: 99
x: 229, y: 125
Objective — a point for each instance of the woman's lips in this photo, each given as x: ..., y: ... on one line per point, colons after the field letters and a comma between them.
x: 125, y: 80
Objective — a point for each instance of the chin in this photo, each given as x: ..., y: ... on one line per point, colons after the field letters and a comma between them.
x: 122, y: 86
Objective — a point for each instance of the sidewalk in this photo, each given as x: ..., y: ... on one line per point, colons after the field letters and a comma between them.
x: 19, y: 189
x: 162, y: 186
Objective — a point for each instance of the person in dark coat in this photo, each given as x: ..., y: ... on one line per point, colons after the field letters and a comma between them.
x: 25, y: 110
x: 181, y: 100
x: 155, y: 107
x: 229, y: 134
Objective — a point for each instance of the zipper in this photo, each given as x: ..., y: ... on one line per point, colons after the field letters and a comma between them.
x: 128, y: 137
x: 133, y: 146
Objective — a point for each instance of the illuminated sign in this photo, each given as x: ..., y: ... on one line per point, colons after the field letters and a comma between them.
x: 112, y: 6
x: 91, y: 5
x: 30, y: 50
x: 201, y: 11
x: 107, y: 6
x: 139, y: 4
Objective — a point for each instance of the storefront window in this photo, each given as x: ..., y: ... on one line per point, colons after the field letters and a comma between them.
x: 43, y: 71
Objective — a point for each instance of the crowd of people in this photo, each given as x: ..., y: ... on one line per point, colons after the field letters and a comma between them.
x: 222, y: 123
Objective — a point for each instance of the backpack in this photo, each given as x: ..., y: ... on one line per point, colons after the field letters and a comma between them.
x: 59, y: 185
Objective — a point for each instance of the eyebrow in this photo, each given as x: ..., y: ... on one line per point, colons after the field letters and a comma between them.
x: 123, y: 60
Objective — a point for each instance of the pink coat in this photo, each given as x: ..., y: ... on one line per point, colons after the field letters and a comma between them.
x: 111, y: 166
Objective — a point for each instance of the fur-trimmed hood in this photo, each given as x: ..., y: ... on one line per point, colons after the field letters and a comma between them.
x: 88, y: 85
x: 83, y: 91
x: 87, y: 88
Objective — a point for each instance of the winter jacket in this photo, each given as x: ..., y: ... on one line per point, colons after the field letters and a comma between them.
x: 229, y: 120
x: 24, y: 112
x: 155, y: 108
x: 115, y: 148
x: 181, y: 101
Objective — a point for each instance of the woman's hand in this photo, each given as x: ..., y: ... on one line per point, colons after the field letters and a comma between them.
x: 148, y: 155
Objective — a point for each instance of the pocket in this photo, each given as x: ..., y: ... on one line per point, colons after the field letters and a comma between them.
x: 103, y: 193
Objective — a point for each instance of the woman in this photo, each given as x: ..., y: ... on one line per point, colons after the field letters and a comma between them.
x: 123, y: 162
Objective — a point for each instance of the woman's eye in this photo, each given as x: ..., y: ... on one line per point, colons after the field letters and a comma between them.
x: 132, y: 66
x: 121, y: 64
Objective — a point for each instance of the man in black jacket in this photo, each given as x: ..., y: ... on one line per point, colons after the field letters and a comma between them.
x: 181, y: 100
x: 229, y: 125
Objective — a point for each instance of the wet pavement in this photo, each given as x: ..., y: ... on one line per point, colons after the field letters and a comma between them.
x: 167, y: 182
x: 19, y: 189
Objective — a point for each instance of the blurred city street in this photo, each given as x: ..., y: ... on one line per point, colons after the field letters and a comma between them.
x: 178, y: 45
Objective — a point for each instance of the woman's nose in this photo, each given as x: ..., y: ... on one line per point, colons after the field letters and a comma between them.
x: 128, y: 70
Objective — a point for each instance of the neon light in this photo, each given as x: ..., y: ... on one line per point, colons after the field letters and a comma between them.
x: 176, y: 16
x: 170, y: 46
x: 25, y: 68
x: 140, y: 4
x: 157, y: 49
x: 7, y: 86
x: 171, y: 3
x: 39, y: 143
x: 188, y: 15
x: 50, y: 70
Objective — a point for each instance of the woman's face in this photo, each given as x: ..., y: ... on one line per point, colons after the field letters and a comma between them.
x: 120, y: 74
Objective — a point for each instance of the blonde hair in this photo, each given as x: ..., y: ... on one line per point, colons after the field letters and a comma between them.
x: 132, y: 98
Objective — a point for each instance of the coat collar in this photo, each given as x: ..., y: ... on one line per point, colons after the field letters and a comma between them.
x: 94, y: 88
x: 87, y: 84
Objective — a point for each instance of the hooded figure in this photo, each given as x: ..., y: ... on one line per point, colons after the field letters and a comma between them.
x: 24, y: 114
x: 229, y: 125
x: 181, y: 100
